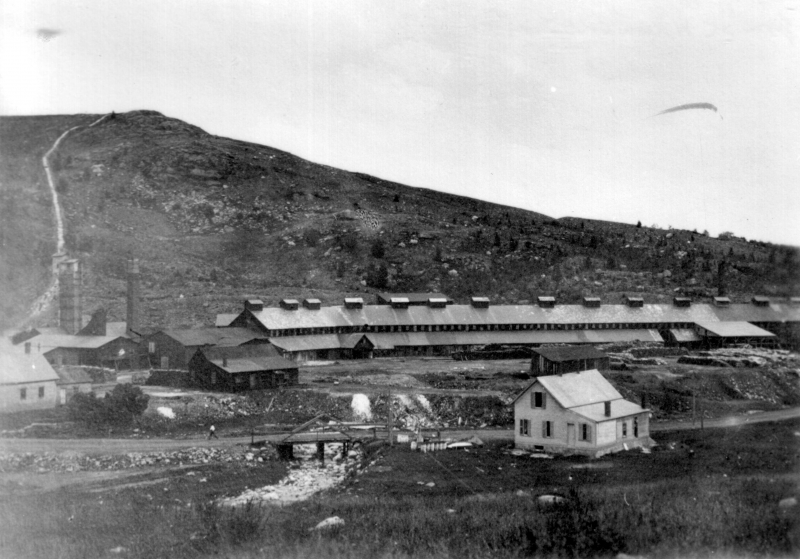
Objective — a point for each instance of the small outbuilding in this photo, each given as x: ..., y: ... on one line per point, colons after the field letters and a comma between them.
x: 567, y: 359
x: 578, y: 413
x: 718, y: 334
x: 241, y: 368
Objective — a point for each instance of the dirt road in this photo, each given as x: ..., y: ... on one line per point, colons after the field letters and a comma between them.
x: 121, y: 446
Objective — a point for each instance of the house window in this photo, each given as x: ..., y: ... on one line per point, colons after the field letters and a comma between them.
x: 213, y: 377
x: 624, y: 428
x: 41, y: 392
x: 635, y: 426
x: 151, y: 347
x: 525, y: 427
x: 586, y: 432
x: 547, y: 429
x: 23, y: 393
x: 538, y: 400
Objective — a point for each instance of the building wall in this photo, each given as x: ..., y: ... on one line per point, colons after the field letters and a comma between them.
x: 67, y: 391
x: 11, y: 400
x: 206, y: 375
x: 176, y: 353
x: 606, y: 432
x: 559, y: 418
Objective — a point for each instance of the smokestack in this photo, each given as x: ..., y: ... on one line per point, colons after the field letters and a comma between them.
x: 132, y: 315
x: 69, y: 296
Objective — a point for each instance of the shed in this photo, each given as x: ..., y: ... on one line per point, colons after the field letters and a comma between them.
x: 241, y: 368
x: 172, y: 349
x: 578, y: 413
x: 717, y: 334
x: 567, y: 359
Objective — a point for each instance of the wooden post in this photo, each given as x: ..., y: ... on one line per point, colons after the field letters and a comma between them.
x: 694, y: 406
x: 391, y: 418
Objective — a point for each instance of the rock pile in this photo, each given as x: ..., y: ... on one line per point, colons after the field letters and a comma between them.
x: 73, y: 461
x: 740, y: 357
x: 306, y: 479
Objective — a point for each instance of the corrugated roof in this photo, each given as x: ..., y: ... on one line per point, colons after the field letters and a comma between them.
x: 18, y: 367
x: 735, y: 330
x: 569, y: 353
x: 746, y: 312
x: 275, y: 318
x: 49, y: 342
x: 191, y: 337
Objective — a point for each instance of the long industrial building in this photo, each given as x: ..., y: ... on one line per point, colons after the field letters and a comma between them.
x: 310, y: 331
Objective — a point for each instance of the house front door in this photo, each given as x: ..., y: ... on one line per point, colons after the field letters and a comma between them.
x: 570, y: 434
x: 165, y: 362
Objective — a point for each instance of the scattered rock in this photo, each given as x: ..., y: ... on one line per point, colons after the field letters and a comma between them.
x: 331, y: 522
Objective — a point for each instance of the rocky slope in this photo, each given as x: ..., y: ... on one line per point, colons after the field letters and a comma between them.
x: 213, y: 220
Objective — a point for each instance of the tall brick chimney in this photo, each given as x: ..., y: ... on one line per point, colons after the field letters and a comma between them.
x: 132, y: 315
x: 69, y: 296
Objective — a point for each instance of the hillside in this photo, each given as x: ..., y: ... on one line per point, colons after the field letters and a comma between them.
x: 214, y: 219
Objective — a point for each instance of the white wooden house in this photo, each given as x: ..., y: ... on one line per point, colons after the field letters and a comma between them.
x: 578, y: 413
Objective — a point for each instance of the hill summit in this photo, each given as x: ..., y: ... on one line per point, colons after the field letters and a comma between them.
x: 213, y: 220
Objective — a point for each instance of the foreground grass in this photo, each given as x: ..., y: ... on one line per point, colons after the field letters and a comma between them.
x: 716, y: 493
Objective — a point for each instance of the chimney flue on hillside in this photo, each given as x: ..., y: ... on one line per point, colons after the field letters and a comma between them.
x: 132, y: 314
x: 69, y: 296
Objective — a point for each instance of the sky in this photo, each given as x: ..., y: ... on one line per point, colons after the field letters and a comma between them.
x: 548, y: 105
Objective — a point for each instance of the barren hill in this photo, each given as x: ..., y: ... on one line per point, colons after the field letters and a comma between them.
x: 213, y: 219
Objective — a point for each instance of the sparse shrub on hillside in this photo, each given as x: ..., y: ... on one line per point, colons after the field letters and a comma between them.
x: 311, y: 237
x: 349, y: 241
x: 378, y: 276
x: 378, y: 249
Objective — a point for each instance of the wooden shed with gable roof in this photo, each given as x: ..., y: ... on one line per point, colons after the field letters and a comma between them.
x: 567, y: 359
x: 234, y: 369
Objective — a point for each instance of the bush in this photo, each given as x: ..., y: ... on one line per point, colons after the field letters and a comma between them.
x: 120, y: 406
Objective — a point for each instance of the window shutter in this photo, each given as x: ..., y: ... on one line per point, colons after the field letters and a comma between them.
x: 544, y: 400
x: 544, y: 429
x: 533, y: 399
x: 589, y: 432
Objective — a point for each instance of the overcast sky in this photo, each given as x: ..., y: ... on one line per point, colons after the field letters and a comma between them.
x: 544, y: 105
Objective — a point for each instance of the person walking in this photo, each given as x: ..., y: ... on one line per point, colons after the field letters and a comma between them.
x: 212, y: 433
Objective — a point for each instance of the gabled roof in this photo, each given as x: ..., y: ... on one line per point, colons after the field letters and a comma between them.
x: 569, y: 353
x: 572, y: 390
x: 224, y: 319
x: 619, y: 408
x: 73, y: 375
x: 18, y: 367
x: 246, y: 359
x: 225, y: 337
x: 735, y: 330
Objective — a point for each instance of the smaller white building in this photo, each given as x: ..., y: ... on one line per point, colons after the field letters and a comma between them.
x: 578, y: 413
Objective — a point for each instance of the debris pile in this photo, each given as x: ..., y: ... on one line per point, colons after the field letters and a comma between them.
x: 74, y: 462
x: 307, y: 478
x: 740, y: 357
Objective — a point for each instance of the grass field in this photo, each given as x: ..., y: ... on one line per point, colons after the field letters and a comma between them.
x: 715, y: 491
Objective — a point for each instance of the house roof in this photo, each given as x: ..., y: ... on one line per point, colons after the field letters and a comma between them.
x: 572, y: 390
x: 619, y: 408
x: 569, y: 353
x: 227, y: 337
x: 18, y: 367
x: 734, y: 330
x: 48, y: 342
